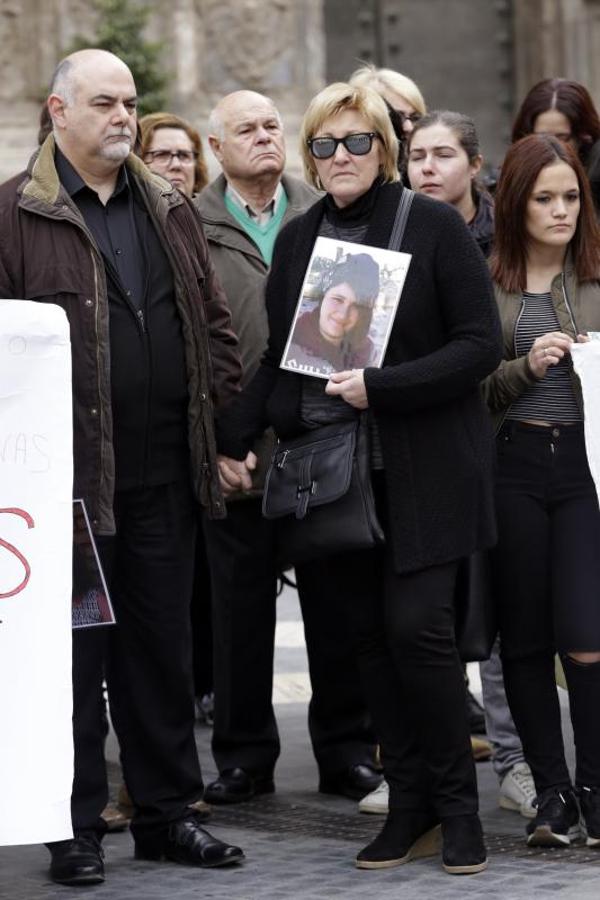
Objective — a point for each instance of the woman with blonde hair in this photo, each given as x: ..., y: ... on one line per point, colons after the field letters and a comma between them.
x: 399, y: 92
x: 404, y: 101
x: 435, y: 507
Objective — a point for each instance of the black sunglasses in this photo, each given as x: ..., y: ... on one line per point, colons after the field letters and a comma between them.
x: 357, y: 144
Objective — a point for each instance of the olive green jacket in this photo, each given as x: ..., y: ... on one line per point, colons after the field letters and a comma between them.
x: 577, y: 306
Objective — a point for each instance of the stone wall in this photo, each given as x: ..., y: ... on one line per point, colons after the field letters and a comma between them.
x: 480, y: 54
x: 212, y: 47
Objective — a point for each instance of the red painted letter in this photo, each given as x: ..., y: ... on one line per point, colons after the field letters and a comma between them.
x: 17, y: 553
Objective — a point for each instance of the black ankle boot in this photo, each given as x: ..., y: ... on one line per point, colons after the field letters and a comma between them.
x: 463, y: 850
x: 405, y: 836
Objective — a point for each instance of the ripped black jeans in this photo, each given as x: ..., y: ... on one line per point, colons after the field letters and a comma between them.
x: 546, y: 569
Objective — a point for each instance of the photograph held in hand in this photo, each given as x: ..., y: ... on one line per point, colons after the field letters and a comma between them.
x: 346, y: 308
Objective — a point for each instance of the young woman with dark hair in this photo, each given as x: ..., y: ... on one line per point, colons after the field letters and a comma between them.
x: 444, y: 160
x: 546, y: 265
x: 334, y: 336
x: 566, y: 110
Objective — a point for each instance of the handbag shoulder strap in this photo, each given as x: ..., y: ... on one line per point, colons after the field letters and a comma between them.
x: 401, y: 219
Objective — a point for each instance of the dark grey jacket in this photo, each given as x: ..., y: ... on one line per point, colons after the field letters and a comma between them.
x: 242, y: 272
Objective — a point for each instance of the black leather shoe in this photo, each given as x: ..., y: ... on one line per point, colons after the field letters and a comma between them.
x: 463, y: 850
x: 355, y: 782
x: 77, y: 861
x: 188, y: 843
x: 405, y: 836
x: 236, y: 786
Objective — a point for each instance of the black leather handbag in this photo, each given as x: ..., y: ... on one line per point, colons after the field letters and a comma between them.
x: 319, y: 488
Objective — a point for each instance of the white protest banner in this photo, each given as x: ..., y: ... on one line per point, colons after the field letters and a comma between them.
x: 586, y: 362
x: 36, y: 522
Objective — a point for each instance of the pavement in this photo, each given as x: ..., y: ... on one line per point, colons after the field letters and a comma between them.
x: 300, y: 845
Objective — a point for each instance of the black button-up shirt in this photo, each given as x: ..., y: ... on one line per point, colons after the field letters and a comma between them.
x: 116, y: 227
x: 147, y: 358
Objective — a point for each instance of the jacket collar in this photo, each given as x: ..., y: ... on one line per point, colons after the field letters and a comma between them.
x: 211, y: 201
x: 43, y: 184
x: 221, y: 226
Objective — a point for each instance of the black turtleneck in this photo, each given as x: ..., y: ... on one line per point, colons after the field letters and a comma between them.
x: 358, y: 213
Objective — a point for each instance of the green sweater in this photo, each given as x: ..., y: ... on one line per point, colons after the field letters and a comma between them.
x: 262, y: 235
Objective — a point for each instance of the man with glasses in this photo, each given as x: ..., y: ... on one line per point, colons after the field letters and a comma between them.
x: 242, y: 212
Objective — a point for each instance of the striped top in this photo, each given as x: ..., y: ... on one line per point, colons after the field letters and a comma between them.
x: 550, y: 399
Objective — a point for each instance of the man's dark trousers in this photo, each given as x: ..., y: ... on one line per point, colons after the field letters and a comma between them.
x: 241, y: 553
x: 147, y: 660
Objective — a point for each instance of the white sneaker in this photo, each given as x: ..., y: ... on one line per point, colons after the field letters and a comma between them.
x: 517, y: 791
x: 377, y: 801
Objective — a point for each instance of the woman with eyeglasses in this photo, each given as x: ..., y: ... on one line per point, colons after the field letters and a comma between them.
x: 566, y: 110
x: 546, y: 565
x: 431, y: 462
x: 403, y: 99
x: 171, y: 147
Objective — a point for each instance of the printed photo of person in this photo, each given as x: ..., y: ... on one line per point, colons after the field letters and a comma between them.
x: 334, y: 336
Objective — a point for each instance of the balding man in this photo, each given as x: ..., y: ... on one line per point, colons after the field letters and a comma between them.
x: 123, y: 253
x: 243, y: 211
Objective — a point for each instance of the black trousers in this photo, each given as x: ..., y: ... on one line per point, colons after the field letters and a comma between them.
x: 202, y: 619
x: 241, y: 553
x: 403, y: 628
x: 147, y: 661
x: 547, y: 573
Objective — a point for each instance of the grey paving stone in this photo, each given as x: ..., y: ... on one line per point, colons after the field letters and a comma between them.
x: 301, y: 845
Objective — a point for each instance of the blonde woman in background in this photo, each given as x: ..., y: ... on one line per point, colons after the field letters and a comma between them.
x: 403, y: 99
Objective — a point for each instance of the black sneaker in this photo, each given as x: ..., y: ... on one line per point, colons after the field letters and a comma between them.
x: 589, y: 800
x: 557, y: 819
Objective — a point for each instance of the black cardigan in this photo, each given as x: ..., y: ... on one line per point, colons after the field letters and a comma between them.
x: 436, y: 437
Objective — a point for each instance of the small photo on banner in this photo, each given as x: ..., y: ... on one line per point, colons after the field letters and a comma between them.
x: 346, y: 308
x: 91, y: 600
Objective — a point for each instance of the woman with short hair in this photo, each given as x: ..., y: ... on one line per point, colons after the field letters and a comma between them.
x: 435, y: 506
x: 172, y: 147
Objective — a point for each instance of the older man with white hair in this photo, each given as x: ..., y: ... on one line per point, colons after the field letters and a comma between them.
x: 88, y: 227
x: 243, y: 211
